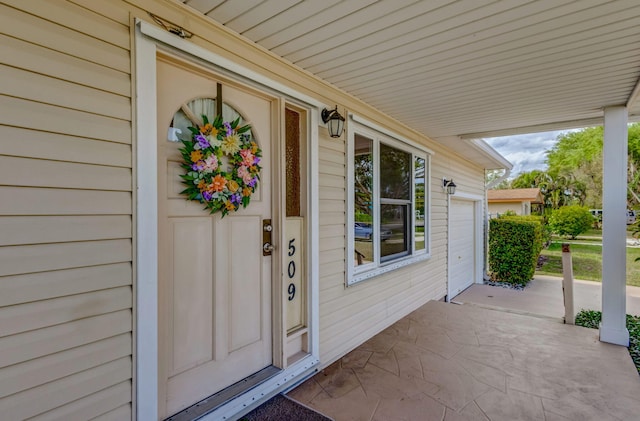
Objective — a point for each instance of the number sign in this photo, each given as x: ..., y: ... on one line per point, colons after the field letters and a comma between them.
x: 294, y: 274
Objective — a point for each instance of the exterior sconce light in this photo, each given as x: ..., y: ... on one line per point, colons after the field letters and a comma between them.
x: 335, y: 122
x: 449, y: 186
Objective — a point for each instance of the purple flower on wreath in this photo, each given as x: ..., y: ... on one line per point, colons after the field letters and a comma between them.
x: 202, y: 141
x: 227, y: 126
x: 198, y: 166
x: 253, y: 182
x: 206, y: 195
x: 236, y: 198
x: 256, y: 161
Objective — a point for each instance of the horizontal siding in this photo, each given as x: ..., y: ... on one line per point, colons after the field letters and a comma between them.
x: 42, y: 398
x: 48, y: 90
x: 88, y: 22
x: 24, y: 346
x: 30, y: 287
x: 61, y: 147
x: 39, y: 314
x: 332, y: 218
x: 21, y: 230
x: 31, y: 373
x: 66, y: 279
x: 47, y: 201
x: 121, y: 413
x: 34, y: 58
x: 50, y: 35
x: 41, y: 173
x: 104, y: 10
x: 23, y: 113
x: 351, y: 315
x: 99, y: 404
x: 45, y: 257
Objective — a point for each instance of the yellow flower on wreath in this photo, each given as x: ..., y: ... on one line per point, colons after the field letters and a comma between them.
x: 206, y: 129
x: 196, y: 156
x: 246, y: 191
x: 254, y: 147
x: 230, y: 206
x: 231, y: 144
x: 202, y: 185
x: 233, y: 186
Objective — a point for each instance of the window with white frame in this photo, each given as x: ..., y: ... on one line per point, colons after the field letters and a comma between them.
x: 388, y: 203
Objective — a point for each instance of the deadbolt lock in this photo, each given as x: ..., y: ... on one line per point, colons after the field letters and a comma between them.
x: 267, y: 245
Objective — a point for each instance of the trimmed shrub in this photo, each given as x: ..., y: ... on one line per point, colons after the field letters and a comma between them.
x: 515, y: 243
x: 546, y: 230
x: 570, y: 221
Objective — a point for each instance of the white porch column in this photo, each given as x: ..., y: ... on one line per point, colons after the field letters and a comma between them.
x: 614, y: 205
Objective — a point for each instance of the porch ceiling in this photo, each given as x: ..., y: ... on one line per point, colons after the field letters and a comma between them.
x: 458, y: 69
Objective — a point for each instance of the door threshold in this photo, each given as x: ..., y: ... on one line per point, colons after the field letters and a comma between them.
x: 216, y: 400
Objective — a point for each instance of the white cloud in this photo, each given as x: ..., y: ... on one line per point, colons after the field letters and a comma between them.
x: 526, y: 152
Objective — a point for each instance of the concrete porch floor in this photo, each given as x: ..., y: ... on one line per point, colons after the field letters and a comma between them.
x: 460, y: 362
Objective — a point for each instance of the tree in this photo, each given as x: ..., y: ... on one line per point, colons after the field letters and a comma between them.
x: 570, y: 221
x: 579, y: 154
x: 528, y: 180
x: 558, y: 190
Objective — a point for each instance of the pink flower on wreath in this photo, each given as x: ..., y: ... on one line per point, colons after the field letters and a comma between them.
x: 247, y: 157
x: 210, y: 164
x: 244, y: 173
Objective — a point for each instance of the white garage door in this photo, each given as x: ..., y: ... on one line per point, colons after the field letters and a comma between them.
x: 462, y: 232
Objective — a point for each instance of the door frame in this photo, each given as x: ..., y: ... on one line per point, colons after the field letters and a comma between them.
x: 478, y: 241
x: 149, y: 39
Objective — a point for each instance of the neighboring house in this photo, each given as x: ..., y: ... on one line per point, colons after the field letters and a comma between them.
x: 119, y: 299
x: 520, y: 201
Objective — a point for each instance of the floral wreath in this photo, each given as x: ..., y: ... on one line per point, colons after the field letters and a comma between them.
x: 221, y: 188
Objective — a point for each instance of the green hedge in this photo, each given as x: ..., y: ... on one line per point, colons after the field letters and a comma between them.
x: 514, y: 245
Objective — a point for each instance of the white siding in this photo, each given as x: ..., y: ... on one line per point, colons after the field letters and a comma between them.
x: 65, y: 213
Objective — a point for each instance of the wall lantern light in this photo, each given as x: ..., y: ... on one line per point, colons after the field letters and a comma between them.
x: 335, y: 122
x: 449, y: 186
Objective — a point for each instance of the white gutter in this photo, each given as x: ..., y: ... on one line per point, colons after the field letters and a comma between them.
x: 486, y: 149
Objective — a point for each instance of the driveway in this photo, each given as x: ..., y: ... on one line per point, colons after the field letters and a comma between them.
x: 543, y: 297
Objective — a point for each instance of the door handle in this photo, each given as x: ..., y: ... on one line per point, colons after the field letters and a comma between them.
x: 267, y: 248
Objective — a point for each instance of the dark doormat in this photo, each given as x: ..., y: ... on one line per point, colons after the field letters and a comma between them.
x: 281, y: 408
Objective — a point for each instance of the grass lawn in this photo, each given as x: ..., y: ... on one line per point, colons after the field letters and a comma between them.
x: 587, y: 262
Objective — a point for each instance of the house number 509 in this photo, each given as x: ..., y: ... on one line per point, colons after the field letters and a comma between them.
x: 291, y: 269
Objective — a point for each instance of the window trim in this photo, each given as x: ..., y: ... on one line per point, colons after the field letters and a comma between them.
x: 378, y: 134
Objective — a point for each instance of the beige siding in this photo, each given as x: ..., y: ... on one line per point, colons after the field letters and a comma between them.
x: 65, y: 213
x: 66, y: 207
x: 516, y: 207
x: 349, y: 316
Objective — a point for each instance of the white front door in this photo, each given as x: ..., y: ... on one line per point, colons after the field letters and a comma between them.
x: 462, y: 250
x: 214, y: 283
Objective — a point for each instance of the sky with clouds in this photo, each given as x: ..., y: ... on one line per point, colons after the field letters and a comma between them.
x: 526, y: 152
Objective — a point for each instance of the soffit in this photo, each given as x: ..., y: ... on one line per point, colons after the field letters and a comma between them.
x: 457, y: 70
